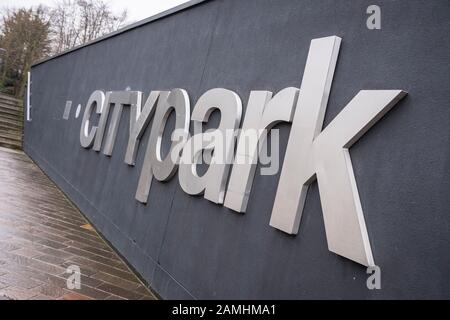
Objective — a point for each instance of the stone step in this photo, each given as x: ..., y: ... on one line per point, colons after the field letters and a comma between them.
x: 7, y: 115
x: 3, y: 109
x: 8, y: 143
x: 10, y: 115
x: 11, y: 136
x: 13, y: 107
x: 12, y: 123
x: 9, y: 98
x: 10, y: 102
x: 10, y: 129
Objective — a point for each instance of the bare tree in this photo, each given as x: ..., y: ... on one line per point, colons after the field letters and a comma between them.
x: 27, y: 35
x: 24, y: 38
x: 75, y: 22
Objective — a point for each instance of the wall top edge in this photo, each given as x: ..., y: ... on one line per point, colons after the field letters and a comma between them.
x: 127, y: 28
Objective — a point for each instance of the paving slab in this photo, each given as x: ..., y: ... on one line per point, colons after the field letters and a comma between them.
x: 42, y: 234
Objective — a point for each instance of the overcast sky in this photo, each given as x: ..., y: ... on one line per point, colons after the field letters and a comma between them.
x: 137, y: 9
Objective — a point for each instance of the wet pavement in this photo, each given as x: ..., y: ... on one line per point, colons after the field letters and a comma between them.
x: 42, y: 234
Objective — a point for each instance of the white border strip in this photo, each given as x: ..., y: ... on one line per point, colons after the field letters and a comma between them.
x: 129, y: 27
x: 28, y: 97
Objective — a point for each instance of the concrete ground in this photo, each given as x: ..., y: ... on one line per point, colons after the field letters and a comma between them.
x: 42, y: 234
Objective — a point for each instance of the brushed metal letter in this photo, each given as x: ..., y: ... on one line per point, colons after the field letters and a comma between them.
x: 154, y: 164
x: 102, y: 123
x: 139, y: 127
x: 67, y: 109
x: 263, y: 113
x: 323, y: 155
x: 120, y: 99
x: 213, y: 182
x: 87, y: 137
x: 178, y: 102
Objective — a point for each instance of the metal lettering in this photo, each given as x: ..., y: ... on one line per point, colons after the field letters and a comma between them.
x: 263, y: 112
x: 154, y: 164
x: 87, y: 136
x: 118, y: 99
x: 213, y: 182
x: 139, y: 127
x: 323, y: 155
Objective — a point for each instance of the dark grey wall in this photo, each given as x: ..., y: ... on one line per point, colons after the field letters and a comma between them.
x: 188, y: 247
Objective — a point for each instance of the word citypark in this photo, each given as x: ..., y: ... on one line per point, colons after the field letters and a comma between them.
x: 311, y: 154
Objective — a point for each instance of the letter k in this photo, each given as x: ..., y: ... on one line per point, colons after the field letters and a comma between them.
x: 323, y: 155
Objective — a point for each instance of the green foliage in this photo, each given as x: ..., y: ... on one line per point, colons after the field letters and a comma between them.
x: 24, y: 40
x: 28, y: 35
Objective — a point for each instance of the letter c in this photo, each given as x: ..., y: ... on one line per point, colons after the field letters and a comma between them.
x: 97, y: 99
